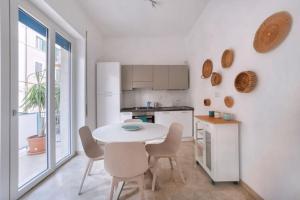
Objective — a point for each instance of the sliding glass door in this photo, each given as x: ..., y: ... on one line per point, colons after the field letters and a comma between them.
x: 62, y: 96
x: 32, y: 98
x: 41, y: 138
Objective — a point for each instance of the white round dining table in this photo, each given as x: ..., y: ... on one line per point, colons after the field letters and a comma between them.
x: 115, y: 133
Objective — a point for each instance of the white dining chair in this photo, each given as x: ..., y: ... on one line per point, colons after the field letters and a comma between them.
x: 92, y: 150
x: 132, y: 120
x: 126, y: 161
x: 167, y: 149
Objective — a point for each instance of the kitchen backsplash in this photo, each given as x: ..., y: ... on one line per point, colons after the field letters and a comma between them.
x: 163, y: 97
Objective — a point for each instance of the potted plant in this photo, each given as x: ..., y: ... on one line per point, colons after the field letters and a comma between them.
x: 35, y: 98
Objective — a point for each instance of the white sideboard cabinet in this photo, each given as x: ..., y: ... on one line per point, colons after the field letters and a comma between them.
x: 216, y: 144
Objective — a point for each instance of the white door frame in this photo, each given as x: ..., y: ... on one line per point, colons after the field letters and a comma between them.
x: 5, y: 7
x: 15, y: 192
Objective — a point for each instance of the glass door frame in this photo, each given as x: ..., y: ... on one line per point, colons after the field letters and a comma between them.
x: 15, y: 191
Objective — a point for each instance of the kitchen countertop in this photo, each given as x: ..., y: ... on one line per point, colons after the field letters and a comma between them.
x: 216, y: 120
x: 156, y: 109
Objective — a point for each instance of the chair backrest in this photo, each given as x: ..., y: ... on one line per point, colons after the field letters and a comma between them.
x: 173, y: 139
x: 126, y: 159
x: 132, y: 120
x: 90, y: 146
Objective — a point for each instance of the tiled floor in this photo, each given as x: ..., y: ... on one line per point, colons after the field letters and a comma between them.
x: 64, y: 184
x: 28, y: 170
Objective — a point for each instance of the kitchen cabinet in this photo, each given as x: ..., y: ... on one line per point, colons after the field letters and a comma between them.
x: 160, y: 78
x: 178, y: 78
x: 185, y: 118
x: 142, y: 76
x: 216, y: 145
x: 127, y: 76
x: 142, y: 73
x: 125, y: 115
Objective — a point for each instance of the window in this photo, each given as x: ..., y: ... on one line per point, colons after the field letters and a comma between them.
x: 38, y: 67
x: 40, y: 44
x: 57, y: 55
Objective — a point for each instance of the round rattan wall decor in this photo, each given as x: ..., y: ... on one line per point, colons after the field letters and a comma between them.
x: 272, y: 32
x: 227, y: 58
x: 207, y: 102
x: 229, y: 102
x: 207, y: 69
x: 216, y: 79
x: 245, y: 81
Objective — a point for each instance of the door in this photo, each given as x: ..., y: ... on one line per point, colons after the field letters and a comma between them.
x: 185, y: 118
x: 108, y: 109
x: 32, y: 99
x: 126, y: 78
x: 142, y: 73
x: 160, y: 77
x: 40, y: 100
x: 108, y: 78
x: 142, y: 77
x: 178, y: 78
x: 62, y: 97
x: 164, y: 118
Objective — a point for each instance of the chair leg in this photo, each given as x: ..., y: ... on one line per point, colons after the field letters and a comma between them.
x: 154, y: 174
x: 90, y: 169
x: 141, y: 186
x: 170, y: 160
x: 112, y: 189
x: 154, y: 180
x: 84, y: 175
x: 121, y: 189
x: 179, y: 169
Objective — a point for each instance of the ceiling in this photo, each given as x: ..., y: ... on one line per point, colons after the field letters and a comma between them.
x: 137, y: 18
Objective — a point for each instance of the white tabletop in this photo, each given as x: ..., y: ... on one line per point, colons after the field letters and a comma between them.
x: 115, y: 133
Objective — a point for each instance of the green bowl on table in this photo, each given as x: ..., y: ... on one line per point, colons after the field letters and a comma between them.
x: 132, y: 127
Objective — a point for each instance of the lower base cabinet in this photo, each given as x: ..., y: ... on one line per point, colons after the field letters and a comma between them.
x: 125, y: 116
x: 185, y: 118
x: 216, y: 148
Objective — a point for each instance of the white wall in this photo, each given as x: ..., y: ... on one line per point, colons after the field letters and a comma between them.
x: 269, y: 132
x: 147, y: 50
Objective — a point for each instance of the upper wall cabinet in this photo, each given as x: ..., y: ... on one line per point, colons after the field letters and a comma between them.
x: 178, y: 78
x: 142, y: 76
x: 127, y: 74
x: 160, y: 77
x: 142, y: 73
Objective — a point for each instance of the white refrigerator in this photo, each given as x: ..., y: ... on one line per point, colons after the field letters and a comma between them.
x: 108, y: 93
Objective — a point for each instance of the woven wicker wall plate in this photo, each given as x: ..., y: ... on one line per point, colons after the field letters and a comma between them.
x: 207, y: 69
x: 216, y: 79
x: 207, y: 102
x: 245, y: 81
x: 229, y: 102
x: 227, y: 58
x: 272, y: 32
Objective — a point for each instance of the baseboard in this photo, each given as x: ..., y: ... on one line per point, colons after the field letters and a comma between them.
x: 250, y: 191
